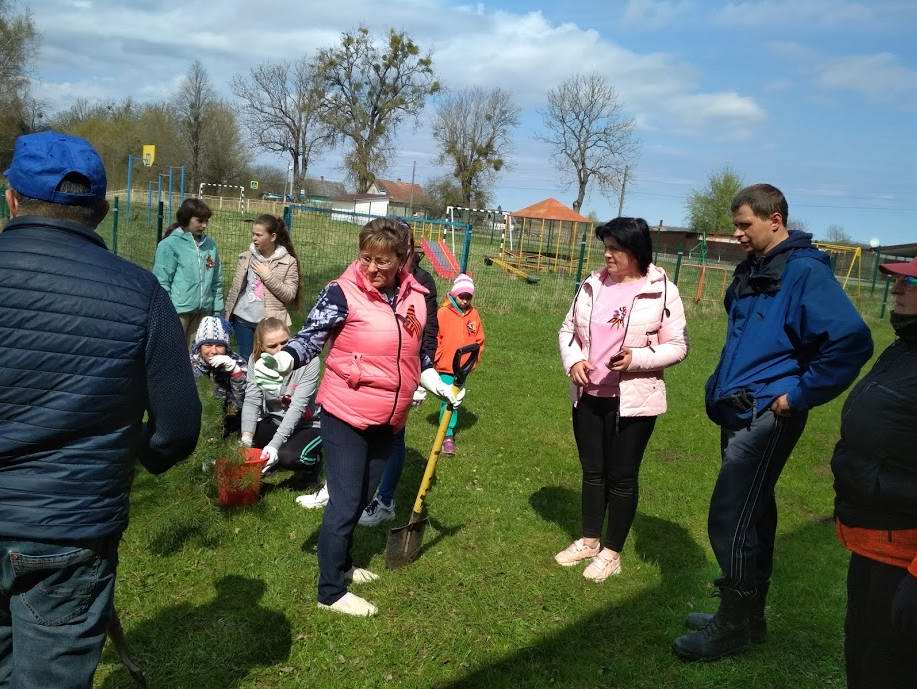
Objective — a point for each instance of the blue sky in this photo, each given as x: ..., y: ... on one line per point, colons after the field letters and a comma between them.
x: 818, y: 97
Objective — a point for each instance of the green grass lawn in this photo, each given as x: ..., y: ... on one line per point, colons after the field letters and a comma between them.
x: 214, y: 598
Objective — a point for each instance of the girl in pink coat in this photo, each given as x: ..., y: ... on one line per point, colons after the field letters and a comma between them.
x: 626, y: 325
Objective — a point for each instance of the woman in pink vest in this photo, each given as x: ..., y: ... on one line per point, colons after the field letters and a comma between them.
x: 374, y: 316
x: 626, y: 324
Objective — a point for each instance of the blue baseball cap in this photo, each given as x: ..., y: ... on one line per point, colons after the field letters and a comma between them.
x: 41, y: 162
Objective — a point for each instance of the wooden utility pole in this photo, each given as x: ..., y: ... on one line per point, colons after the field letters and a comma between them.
x: 621, y: 195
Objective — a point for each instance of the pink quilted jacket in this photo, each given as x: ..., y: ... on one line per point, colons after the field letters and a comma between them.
x: 373, y: 363
x: 656, y: 334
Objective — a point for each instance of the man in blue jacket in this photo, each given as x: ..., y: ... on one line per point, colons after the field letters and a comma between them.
x: 89, y: 343
x: 794, y: 341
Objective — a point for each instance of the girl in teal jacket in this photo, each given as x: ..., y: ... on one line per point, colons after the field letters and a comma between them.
x: 188, y: 266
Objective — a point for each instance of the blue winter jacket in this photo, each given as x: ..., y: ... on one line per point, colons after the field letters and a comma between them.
x: 797, y: 335
x: 89, y: 343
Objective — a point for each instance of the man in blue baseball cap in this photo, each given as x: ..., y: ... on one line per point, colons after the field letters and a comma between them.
x: 89, y: 343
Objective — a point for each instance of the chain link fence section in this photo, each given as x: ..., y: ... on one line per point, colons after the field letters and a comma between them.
x: 326, y: 242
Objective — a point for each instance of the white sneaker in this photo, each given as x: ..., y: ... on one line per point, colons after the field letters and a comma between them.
x: 377, y: 512
x: 314, y: 501
x: 358, y: 575
x: 351, y: 604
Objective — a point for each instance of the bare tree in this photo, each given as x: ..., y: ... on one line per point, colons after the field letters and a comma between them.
x: 369, y: 91
x: 591, y: 138
x: 279, y: 105
x: 18, y: 44
x: 797, y: 224
x: 193, y: 103
x: 835, y: 234
x: 19, y: 111
x: 473, y: 129
x: 225, y: 157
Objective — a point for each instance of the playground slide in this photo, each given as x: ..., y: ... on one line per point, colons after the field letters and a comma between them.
x: 442, y: 258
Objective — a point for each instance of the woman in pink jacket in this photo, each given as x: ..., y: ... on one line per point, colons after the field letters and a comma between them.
x: 626, y: 324
x: 374, y: 316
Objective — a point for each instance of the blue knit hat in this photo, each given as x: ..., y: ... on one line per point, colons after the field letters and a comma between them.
x: 212, y: 330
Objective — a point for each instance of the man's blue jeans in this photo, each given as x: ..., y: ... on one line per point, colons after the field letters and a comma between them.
x: 55, y: 606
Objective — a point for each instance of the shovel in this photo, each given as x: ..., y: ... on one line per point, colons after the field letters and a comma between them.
x: 116, y: 634
x: 404, y: 543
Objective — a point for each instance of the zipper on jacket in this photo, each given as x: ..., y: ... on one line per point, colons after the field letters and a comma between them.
x: 736, y: 347
x: 397, y: 359
x: 573, y: 318
x: 200, y: 274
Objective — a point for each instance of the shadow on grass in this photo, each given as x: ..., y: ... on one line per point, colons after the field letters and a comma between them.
x: 623, y: 640
x: 561, y: 506
x: 203, y: 529
x: 371, y: 541
x: 211, y: 645
x: 467, y: 418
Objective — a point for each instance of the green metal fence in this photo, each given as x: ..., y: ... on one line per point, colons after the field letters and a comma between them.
x: 326, y: 242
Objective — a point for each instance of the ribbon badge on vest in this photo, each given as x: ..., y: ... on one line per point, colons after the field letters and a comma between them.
x: 410, y: 323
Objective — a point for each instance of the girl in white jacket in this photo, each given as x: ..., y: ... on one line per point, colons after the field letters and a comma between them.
x: 626, y: 324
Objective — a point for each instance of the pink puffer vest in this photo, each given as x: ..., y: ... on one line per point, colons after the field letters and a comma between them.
x: 373, y: 365
x: 656, y: 335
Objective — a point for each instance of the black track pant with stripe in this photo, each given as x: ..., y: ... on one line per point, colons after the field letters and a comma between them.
x: 743, y: 511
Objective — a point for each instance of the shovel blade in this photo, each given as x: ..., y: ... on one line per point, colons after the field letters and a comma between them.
x: 403, y: 545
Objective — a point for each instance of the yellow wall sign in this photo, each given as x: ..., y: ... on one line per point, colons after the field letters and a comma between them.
x: 149, y: 154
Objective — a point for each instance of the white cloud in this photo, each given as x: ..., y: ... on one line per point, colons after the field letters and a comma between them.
x: 655, y: 14
x: 879, y: 77
x: 790, y: 12
x: 132, y: 45
x: 737, y: 114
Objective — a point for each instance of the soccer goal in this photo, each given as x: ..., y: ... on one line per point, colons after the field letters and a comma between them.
x: 220, y: 190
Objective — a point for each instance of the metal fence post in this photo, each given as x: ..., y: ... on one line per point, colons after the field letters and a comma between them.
x: 466, y: 249
x: 130, y: 181
x: 288, y: 218
x: 678, y: 259
x: 159, y: 213
x: 582, y: 257
x: 170, y: 192
x: 875, y: 272
x: 888, y: 284
x: 114, y: 227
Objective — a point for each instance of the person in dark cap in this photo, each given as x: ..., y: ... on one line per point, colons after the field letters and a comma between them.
x: 875, y: 509
x: 89, y: 344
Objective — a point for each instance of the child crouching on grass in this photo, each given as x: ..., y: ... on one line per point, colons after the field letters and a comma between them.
x: 284, y: 423
x: 212, y: 357
x: 459, y: 325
